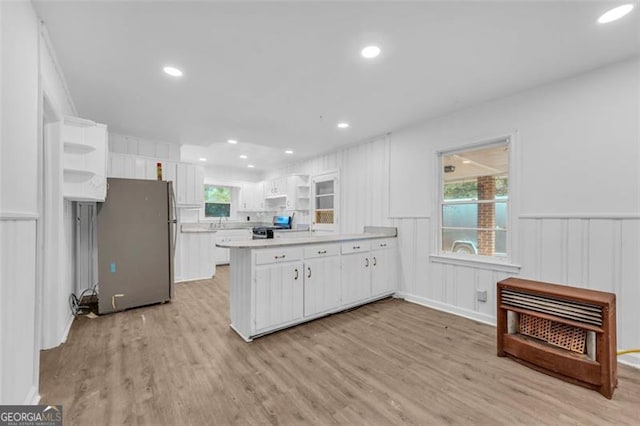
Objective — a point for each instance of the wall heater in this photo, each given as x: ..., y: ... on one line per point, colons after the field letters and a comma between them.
x: 566, y: 332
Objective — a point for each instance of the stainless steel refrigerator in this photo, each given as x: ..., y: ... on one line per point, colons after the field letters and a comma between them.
x: 136, y: 232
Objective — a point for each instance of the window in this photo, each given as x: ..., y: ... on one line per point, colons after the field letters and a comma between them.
x: 217, y: 201
x: 474, y: 201
x: 325, y: 201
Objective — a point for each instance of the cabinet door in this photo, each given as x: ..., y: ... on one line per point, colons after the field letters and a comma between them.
x: 181, y: 183
x: 258, y: 197
x: 355, y: 277
x: 383, y: 275
x: 221, y: 254
x: 244, y: 197
x: 321, y: 285
x: 198, y: 185
x: 279, y: 294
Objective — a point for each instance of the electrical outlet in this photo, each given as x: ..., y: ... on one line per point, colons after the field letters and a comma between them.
x: 481, y: 295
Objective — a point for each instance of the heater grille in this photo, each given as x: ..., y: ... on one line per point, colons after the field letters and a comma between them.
x: 575, y: 311
x: 561, y: 335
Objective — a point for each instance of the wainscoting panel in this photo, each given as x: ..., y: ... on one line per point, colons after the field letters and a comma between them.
x: 19, y: 350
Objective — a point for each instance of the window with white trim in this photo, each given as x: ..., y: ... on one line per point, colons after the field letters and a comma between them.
x: 474, y: 200
x: 217, y: 201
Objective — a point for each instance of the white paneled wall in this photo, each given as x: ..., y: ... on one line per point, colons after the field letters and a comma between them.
x: 596, y: 253
x: 589, y: 247
x: 364, y: 183
x: 19, y: 349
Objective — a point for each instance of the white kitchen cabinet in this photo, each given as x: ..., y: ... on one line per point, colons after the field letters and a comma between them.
x: 369, y: 269
x: 84, y: 159
x: 225, y: 236
x: 277, y: 287
x: 189, y: 185
x: 384, y: 262
x: 195, y: 260
x: 298, y: 193
x: 252, y: 197
x: 356, y: 272
x: 275, y: 188
x: 279, y: 294
x: 321, y: 278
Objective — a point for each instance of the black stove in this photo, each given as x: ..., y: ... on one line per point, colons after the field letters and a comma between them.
x: 279, y: 222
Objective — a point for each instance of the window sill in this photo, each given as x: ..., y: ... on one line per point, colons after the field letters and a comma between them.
x: 490, y: 264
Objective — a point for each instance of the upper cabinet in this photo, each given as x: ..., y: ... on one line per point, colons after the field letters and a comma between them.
x: 84, y: 160
x: 188, y: 179
x: 287, y: 193
x: 275, y: 188
x: 252, y: 197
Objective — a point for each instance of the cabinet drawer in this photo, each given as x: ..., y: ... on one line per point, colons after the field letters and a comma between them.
x: 278, y: 255
x: 355, y: 247
x: 385, y: 243
x: 321, y: 251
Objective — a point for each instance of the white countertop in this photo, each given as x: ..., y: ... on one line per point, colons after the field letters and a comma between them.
x: 380, y: 232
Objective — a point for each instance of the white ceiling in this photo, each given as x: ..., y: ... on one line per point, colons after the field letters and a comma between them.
x: 280, y: 75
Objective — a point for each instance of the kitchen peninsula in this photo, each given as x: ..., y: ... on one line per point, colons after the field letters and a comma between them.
x: 278, y: 283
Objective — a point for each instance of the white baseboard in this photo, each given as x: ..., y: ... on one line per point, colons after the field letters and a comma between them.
x: 466, y: 313
x: 632, y: 360
x: 33, y: 397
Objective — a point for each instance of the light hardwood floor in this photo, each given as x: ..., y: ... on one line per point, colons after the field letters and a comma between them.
x: 389, y: 362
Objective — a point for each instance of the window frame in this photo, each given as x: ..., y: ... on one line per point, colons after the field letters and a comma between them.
x: 204, y: 206
x: 506, y: 262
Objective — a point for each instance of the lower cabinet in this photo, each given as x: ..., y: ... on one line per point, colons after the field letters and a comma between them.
x: 384, y: 266
x: 279, y: 293
x: 321, y: 279
x: 356, y: 277
x: 273, y: 288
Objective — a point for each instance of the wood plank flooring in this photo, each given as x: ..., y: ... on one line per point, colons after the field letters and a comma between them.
x: 389, y: 362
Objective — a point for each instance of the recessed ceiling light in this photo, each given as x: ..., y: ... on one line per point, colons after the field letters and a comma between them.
x: 370, y: 52
x: 202, y: 159
x: 466, y: 161
x: 615, y: 13
x: 232, y: 141
x: 343, y: 125
x: 251, y: 166
x: 244, y: 157
x: 172, y: 71
x: 288, y: 151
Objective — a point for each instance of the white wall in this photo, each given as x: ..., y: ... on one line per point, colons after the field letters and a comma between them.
x: 578, y: 160
x: 363, y: 183
x: 19, y: 360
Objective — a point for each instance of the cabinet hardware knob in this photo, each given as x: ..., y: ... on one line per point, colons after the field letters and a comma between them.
x: 375, y: 262
x: 296, y: 276
x: 322, y: 251
x: 366, y: 259
x: 279, y: 257
x: 356, y: 247
x: 309, y: 269
x: 383, y: 245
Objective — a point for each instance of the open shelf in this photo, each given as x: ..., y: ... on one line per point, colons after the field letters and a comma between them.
x: 78, y: 175
x: 78, y: 148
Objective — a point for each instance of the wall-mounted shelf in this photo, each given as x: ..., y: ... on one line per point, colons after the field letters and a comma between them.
x: 78, y: 148
x: 84, y: 159
x: 79, y: 174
